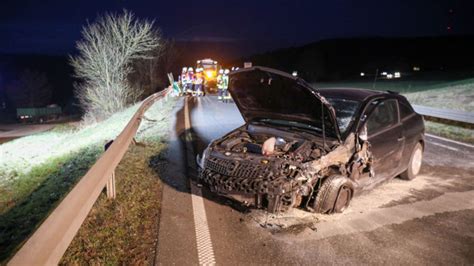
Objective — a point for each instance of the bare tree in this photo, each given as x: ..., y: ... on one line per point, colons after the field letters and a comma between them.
x: 105, y: 58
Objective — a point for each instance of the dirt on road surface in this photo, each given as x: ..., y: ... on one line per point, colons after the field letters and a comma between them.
x: 425, y: 221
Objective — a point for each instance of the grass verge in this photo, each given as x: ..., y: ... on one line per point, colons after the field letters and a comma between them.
x: 451, y: 132
x: 124, y: 230
x: 454, y: 97
x: 37, y: 171
x: 23, y: 209
x: 400, y: 85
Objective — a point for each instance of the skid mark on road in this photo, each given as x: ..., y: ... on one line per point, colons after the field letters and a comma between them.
x: 368, y: 221
x: 203, y: 236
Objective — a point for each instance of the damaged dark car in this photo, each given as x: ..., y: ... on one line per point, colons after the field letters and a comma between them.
x: 308, y: 148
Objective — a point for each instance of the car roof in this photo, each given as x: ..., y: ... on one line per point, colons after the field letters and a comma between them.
x: 355, y: 94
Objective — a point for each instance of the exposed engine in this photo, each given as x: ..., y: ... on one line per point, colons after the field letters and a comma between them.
x: 262, y: 166
x: 286, y: 147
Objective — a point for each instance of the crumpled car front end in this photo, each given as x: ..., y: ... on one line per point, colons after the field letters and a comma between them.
x: 235, y: 167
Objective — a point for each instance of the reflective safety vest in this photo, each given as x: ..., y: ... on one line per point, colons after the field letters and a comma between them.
x: 225, y: 82
x: 220, y: 82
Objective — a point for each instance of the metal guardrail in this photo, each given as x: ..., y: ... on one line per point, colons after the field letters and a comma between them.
x: 49, y: 242
x: 446, y: 114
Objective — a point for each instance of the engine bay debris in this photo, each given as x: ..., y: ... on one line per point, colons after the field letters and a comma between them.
x: 275, y: 169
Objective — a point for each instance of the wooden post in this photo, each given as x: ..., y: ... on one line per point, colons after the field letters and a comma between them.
x: 110, y: 187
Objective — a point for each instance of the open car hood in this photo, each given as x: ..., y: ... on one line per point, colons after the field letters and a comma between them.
x: 265, y: 93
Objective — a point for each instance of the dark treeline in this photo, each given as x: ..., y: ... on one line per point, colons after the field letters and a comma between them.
x: 35, y: 80
x: 326, y: 60
x: 20, y: 72
x: 345, y: 58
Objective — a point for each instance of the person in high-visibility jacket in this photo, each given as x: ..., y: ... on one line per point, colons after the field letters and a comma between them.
x: 198, y: 82
x: 220, y: 85
x: 189, y: 80
x: 182, y: 81
x: 226, y: 96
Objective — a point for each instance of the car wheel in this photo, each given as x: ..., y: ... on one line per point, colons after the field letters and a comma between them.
x: 334, y: 195
x: 414, y: 165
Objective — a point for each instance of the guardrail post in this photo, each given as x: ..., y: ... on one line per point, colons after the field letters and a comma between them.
x: 110, y: 187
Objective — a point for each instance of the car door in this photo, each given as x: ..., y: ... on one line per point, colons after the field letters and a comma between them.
x: 385, y: 135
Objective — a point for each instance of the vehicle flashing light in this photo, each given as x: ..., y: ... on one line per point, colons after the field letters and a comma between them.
x: 210, y: 74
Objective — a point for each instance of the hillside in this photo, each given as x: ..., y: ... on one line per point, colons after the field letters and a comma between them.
x: 345, y: 58
x: 455, y: 95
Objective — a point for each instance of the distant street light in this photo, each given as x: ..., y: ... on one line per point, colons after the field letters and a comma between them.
x: 362, y: 74
x: 294, y: 74
x: 384, y: 73
x: 397, y: 75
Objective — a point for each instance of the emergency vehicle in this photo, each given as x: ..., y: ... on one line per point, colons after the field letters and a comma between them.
x: 210, y: 69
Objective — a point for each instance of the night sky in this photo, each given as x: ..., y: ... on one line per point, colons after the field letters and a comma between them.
x: 52, y: 27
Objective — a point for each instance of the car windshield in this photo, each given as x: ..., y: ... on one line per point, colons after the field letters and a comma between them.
x: 345, y: 112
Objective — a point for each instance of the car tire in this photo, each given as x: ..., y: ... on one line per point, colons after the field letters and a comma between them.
x: 334, y: 195
x: 414, y: 165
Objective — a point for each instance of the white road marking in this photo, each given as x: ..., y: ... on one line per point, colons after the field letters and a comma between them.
x: 444, y: 146
x: 203, y: 236
x: 450, y: 140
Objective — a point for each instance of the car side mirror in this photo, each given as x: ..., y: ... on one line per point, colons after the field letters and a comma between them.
x: 363, y: 135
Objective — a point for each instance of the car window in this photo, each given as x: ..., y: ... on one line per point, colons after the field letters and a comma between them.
x: 405, y: 110
x: 384, y: 115
x: 345, y: 111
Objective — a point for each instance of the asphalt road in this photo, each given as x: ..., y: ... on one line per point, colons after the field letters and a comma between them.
x: 13, y: 131
x: 429, y: 220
